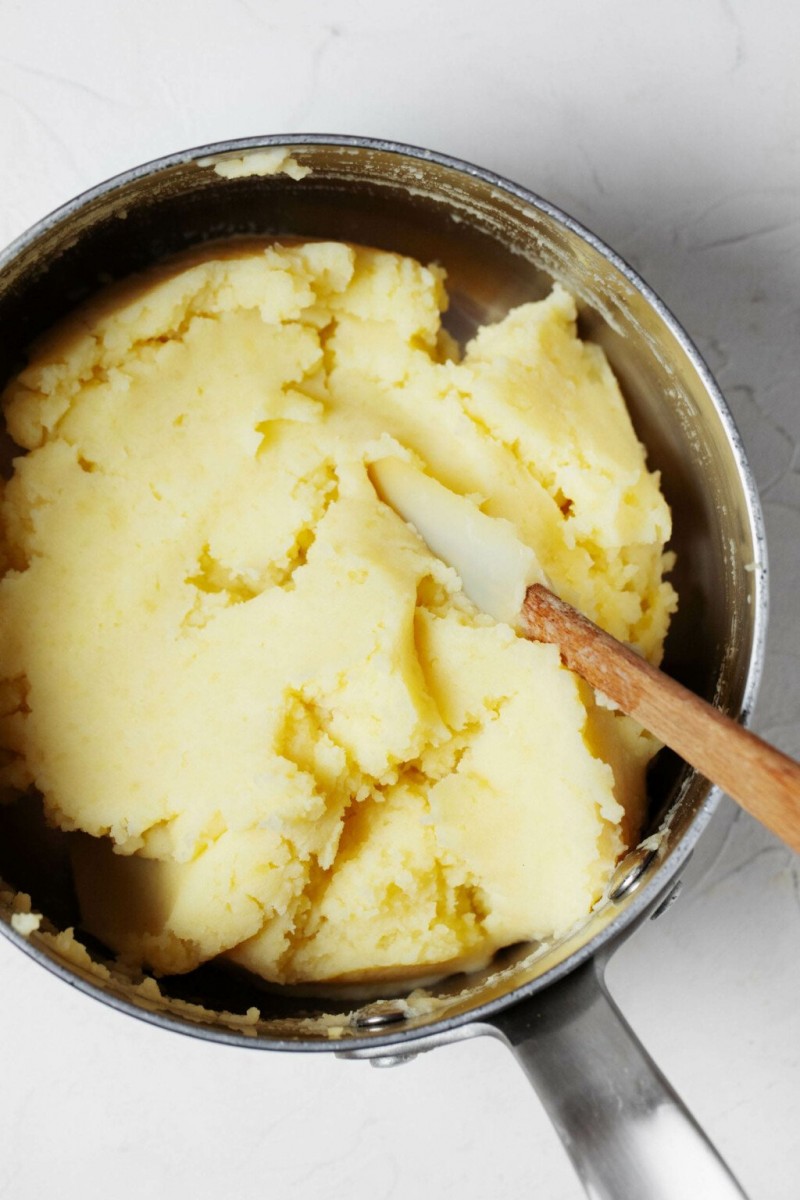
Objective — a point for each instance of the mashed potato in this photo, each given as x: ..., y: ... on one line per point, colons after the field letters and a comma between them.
x: 279, y: 729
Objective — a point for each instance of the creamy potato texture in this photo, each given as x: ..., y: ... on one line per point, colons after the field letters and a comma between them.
x: 277, y: 726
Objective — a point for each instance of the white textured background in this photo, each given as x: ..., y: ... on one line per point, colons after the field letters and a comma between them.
x: 673, y: 131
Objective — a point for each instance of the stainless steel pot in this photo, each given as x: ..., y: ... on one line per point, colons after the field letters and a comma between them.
x: 624, y: 1128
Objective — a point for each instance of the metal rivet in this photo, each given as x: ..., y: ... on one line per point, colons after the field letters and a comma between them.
x: 375, y: 1016
x: 630, y: 872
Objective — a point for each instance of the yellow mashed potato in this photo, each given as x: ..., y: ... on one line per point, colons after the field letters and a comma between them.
x: 290, y: 736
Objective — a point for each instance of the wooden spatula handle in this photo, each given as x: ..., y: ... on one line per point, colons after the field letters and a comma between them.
x: 762, y: 780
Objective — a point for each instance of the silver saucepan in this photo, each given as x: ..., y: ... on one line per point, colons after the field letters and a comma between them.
x: 625, y: 1129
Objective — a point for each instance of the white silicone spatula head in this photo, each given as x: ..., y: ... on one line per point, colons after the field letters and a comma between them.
x: 495, y: 567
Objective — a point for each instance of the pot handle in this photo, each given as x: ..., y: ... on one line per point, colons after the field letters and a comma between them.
x: 627, y: 1132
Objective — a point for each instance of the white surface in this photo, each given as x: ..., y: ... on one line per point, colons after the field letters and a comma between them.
x: 672, y: 131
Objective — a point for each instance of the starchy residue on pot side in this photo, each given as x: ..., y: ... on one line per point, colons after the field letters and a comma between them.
x: 274, y: 160
x: 284, y: 733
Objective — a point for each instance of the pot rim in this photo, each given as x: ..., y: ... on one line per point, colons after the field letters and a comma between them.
x: 446, y: 1028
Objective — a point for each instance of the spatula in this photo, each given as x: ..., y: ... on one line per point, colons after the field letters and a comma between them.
x: 502, y: 577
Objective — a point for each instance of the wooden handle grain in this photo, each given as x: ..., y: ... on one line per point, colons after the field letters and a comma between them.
x: 763, y: 781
